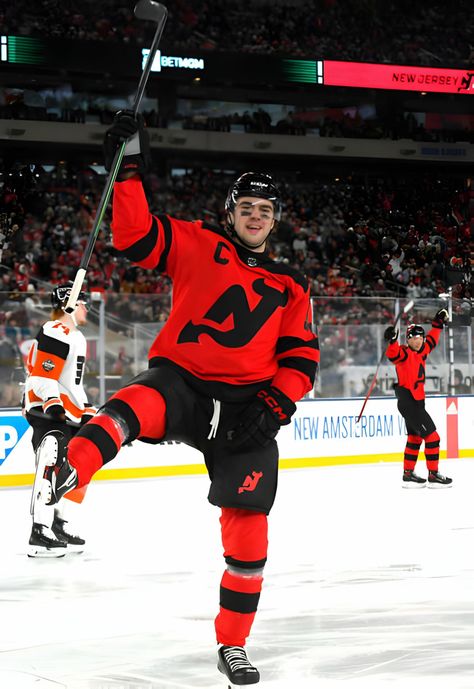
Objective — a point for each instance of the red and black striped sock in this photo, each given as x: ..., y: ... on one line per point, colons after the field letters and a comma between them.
x: 244, y: 536
x: 411, y: 451
x: 432, y: 451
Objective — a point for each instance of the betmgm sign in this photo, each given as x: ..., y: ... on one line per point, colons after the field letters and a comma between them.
x: 172, y: 62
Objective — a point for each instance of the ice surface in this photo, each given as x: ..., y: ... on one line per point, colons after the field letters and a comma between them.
x: 367, y: 586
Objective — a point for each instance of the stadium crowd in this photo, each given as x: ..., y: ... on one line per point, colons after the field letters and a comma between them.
x: 352, y: 237
x: 361, y: 242
x: 421, y: 33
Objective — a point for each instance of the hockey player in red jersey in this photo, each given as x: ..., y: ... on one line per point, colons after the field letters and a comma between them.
x: 410, y: 360
x: 236, y: 353
x: 55, y: 400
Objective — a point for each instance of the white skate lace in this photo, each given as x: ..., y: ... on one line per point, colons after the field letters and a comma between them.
x: 214, y: 422
x: 237, y: 659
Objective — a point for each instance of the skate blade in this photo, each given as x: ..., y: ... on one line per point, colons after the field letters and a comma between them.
x: 231, y: 685
x: 46, y: 456
x: 411, y: 485
x: 45, y: 553
x: 437, y: 486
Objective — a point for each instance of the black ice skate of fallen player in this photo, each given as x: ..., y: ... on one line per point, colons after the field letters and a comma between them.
x: 410, y: 360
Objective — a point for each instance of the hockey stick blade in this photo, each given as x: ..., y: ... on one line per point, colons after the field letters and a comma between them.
x: 150, y: 10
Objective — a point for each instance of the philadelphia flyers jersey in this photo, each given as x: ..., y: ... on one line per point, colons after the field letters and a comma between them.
x: 237, y: 316
x: 410, y: 365
x: 55, y: 368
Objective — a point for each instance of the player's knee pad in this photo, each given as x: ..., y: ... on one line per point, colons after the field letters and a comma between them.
x: 144, y: 410
x: 123, y: 418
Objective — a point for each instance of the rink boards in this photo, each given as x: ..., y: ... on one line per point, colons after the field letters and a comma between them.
x: 322, y: 432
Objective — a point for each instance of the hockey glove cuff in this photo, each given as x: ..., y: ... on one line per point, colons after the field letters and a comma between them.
x: 262, y: 419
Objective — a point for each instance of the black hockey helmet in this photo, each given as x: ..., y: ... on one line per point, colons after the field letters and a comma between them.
x: 60, y: 295
x: 414, y: 330
x: 255, y: 184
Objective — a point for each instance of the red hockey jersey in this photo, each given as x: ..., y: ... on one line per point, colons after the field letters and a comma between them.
x: 237, y: 316
x: 410, y: 365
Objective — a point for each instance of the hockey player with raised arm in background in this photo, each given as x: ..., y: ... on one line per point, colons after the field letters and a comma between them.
x: 236, y: 353
x: 55, y: 400
x: 410, y: 361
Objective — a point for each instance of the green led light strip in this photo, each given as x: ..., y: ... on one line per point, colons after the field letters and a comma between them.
x: 23, y: 50
x: 303, y: 71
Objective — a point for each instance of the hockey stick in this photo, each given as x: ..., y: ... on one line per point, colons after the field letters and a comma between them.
x: 153, y: 11
x: 405, y: 309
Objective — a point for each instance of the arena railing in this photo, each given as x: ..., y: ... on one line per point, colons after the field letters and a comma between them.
x: 122, y: 327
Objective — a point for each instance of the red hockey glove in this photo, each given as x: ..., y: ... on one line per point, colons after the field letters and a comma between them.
x: 263, y: 417
x: 137, y: 157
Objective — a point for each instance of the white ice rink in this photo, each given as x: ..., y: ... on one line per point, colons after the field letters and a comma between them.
x: 367, y: 586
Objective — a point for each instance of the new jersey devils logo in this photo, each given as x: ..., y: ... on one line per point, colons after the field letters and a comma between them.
x: 247, y: 323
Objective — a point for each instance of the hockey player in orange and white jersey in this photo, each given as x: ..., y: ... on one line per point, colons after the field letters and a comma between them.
x: 55, y: 399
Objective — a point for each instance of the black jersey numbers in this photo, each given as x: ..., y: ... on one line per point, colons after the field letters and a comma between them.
x: 246, y: 322
x: 81, y: 360
x: 420, y: 377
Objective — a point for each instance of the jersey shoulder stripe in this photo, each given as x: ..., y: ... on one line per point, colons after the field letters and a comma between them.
x: 53, y: 340
x: 284, y: 269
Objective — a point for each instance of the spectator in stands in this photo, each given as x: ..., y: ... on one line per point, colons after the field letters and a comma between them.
x: 460, y: 387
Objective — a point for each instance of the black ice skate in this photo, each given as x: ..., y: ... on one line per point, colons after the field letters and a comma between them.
x: 54, y: 475
x: 411, y: 480
x: 232, y: 661
x: 59, y: 527
x: 44, y: 543
x: 437, y: 480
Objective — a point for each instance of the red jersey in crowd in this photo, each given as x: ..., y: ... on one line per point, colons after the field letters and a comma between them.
x: 410, y: 365
x: 238, y: 317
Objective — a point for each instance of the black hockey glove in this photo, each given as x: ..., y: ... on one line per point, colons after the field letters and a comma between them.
x: 262, y: 419
x: 137, y: 156
x: 88, y: 414
x: 55, y: 411
x: 390, y: 334
x: 441, y: 317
